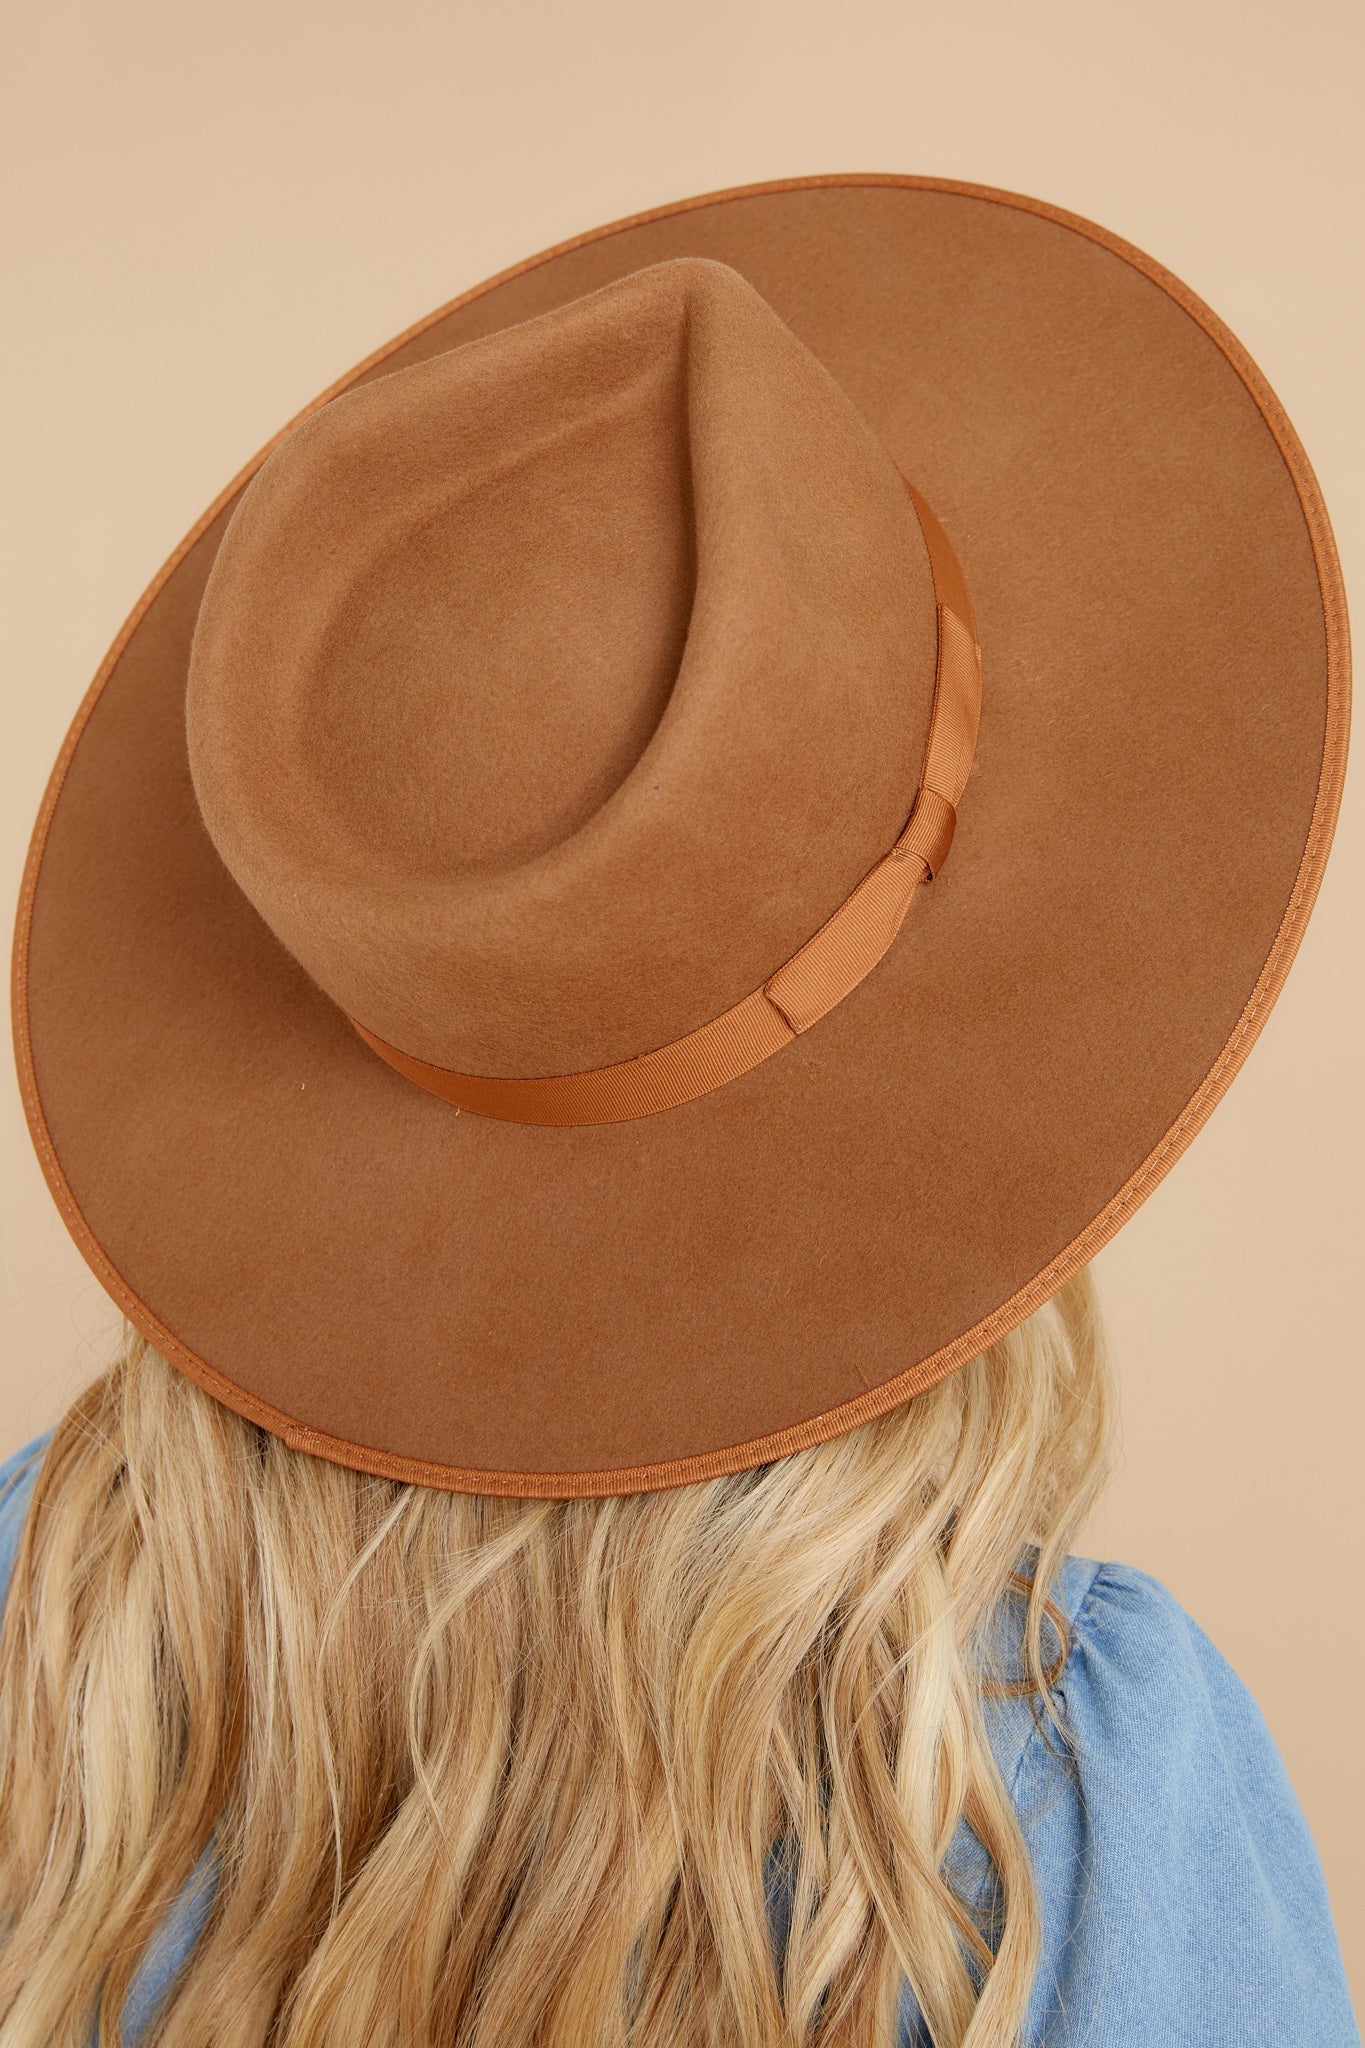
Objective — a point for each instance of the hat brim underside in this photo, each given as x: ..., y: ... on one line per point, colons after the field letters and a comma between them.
x: 509, y: 1309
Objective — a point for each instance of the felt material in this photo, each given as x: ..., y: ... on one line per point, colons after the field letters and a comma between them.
x: 521, y: 674
x: 816, y: 977
x: 512, y: 1308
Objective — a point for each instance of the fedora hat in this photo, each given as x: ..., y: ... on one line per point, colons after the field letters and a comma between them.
x: 671, y: 859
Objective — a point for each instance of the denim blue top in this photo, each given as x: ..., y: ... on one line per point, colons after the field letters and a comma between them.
x: 1183, y: 1901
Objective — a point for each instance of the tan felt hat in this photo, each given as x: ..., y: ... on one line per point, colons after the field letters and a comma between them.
x: 670, y: 861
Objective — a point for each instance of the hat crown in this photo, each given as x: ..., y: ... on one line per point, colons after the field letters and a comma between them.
x: 547, y: 695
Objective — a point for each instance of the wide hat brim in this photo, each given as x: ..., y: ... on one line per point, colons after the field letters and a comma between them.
x: 440, y: 1297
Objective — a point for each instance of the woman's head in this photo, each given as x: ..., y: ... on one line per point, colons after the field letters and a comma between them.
x: 500, y: 1772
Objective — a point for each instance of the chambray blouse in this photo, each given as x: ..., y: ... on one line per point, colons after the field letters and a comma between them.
x: 1183, y: 1901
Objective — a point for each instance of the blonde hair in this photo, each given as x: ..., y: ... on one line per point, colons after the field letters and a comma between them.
x: 509, y: 1774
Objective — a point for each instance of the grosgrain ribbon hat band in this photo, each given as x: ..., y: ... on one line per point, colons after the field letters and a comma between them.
x: 820, y: 973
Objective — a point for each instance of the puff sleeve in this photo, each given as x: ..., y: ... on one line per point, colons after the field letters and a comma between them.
x: 1183, y: 1898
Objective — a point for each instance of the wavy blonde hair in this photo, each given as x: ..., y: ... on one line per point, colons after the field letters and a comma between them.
x: 509, y: 1774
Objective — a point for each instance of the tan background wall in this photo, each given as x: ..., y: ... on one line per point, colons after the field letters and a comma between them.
x: 212, y: 211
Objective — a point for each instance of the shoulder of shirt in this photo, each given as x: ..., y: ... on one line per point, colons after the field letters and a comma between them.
x: 1131, y: 1650
x: 1100, y: 1601
x: 1128, y: 1626
x: 1143, y: 1690
x: 18, y: 1477
x: 19, y: 1471
x: 1114, y: 1608
x: 1121, y: 1628
x: 1167, y: 1836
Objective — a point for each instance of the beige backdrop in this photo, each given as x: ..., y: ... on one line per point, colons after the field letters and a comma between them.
x: 210, y: 212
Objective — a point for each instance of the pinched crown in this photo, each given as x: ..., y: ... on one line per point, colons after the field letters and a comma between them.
x: 547, y: 695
